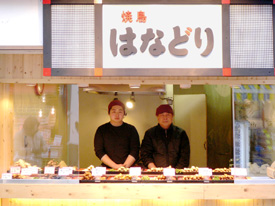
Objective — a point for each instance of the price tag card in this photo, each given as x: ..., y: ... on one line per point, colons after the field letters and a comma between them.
x: 169, y: 172
x: 26, y: 171
x: 99, y: 171
x: 57, y: 140
x: 205, y: 172
x: 135, y: 171
x: 6, y: 176
x: 49, y: 170
x: 239, y: 171
x: 34, y: 170
x: 15, y: 170
x: 65, y: 171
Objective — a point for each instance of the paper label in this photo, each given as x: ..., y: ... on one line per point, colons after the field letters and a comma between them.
x: 239, y: 171
x: 6, y: 176
x: 205, y: 172
x: 65, y: 171
x: 49, y: 170
x: 15, y: 170
x: 57, y: 140
x: 169, y: 172
x: 99, y: 171
x: 26, y: 171
x: 135, y: 171
x: 34, y: 170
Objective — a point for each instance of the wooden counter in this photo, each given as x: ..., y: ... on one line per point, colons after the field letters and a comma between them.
x: 167, y: 191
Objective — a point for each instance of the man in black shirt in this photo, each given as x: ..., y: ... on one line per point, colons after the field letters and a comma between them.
x: 165, y: 144
x: 116, y: 142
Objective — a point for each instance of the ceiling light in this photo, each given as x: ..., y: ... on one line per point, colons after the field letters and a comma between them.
x: 130, y: 103
x: 30, y: 85
x: 134, y: 86
x: 185, y: 86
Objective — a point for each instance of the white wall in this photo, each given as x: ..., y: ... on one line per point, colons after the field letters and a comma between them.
x: 21, y: 23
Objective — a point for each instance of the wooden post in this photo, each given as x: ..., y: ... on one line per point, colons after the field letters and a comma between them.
x: 6, y: 127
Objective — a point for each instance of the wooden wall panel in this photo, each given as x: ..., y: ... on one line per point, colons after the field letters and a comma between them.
x: 49, y: 202
x: 28, y: 68
x: 32, y: 66
x: 6, y: 127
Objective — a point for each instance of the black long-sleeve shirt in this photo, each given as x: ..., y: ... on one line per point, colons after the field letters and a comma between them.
x: 165, y: 148
x: 117, y: 142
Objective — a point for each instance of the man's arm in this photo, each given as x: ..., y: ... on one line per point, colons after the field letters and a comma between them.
x: 147, y: 150
x: 185, y: 151
x: 107, y: 161
x: 129, y: 161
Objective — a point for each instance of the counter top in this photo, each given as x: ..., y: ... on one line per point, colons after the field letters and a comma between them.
x: 168, y: 191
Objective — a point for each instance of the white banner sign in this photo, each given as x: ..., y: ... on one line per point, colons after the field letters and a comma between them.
x: 162, y: 36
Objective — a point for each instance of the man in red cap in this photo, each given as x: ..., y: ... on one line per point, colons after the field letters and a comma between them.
x: 165, y: 144
x: 116, y: 142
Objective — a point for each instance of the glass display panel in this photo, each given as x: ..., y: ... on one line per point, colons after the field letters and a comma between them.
x: 254, y: 130
x: 45, y: 133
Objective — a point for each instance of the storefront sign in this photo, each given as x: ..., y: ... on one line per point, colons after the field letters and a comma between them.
x: 162, y: 36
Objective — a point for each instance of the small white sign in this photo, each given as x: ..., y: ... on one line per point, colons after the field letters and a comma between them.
x: 34, y: 170
x: 15, y: 170
x: 169, y: 172
x: 49, y: 170
x: 239, y: 171
x: 65, y: 171
x: 26, y: 171
x: 135, y: 171
x: 205, y: 172
x: 57, y: 140
x: 6, y: 176
x: 99, y: 171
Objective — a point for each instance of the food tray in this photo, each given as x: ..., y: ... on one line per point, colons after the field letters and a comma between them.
x: 221, y: 173
x: 221, y: 181
x: 143, y: 181
x: 116, y: 172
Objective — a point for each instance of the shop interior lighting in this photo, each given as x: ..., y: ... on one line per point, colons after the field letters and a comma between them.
x: 43, y: 98
x: 40, y: 113
x: 115, y: 98
x: 134, y: 86
x: 130, y: 103
x: 185, y: 86
x: 30, y: 85
x: 52, y: 110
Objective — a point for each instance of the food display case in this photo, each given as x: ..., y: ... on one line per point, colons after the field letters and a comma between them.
x: 44, y: 138
x: 254, y: 128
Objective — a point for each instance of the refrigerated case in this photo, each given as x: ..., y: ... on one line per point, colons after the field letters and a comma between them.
x: 254, y: 128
